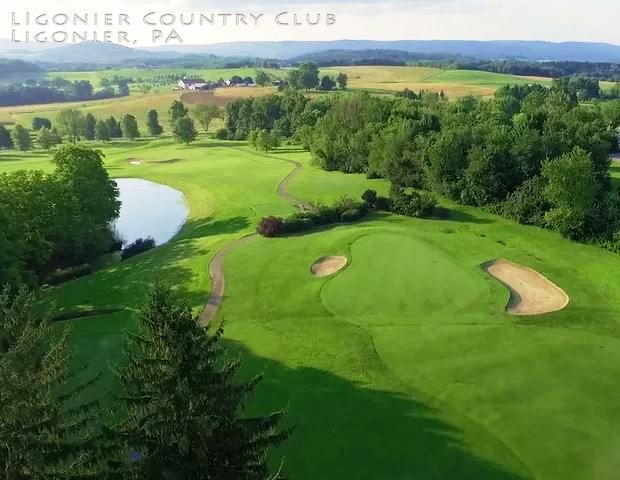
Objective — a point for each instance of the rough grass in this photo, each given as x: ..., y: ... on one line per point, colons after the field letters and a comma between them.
x: 402, y: 365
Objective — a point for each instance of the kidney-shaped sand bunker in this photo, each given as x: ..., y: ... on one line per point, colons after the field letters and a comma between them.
x: 530, y: 292
x: 326, y: 266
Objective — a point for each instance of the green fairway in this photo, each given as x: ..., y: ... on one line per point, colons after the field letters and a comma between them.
x: 402, y: 365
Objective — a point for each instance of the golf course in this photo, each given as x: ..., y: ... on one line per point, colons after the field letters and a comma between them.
x: 405, y: 358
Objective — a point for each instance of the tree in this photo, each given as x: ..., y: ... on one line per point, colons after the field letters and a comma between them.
x: 38, y: 123
x: 205, y: 114
x: 44, y: 434
x: 47, y: 138
x: 266, y: 140
x: 129, y: 127
x: 89, y: 126
x: 342, y: 80
x: 184, y: 131
x: 571, y: 188
x: 21, y: 138
x: 115, y: 128
x: 184, y: 408
x: 262, y: 78
x: 177, y: 110
x: 71, y: 124
x: 102, y: 131
x: 305, y: 77
x: 5, y: 138
x: 327, y: 84
x: 152, y: 123
x: 123, y: 88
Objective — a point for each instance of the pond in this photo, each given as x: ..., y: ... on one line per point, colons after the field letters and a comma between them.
x: 149, y: 209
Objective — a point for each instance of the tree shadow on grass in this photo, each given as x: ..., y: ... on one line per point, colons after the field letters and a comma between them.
x: 205, y: 227
x: 344, y: 429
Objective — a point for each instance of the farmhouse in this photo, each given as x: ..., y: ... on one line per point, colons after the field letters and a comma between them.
x: 192, y: 84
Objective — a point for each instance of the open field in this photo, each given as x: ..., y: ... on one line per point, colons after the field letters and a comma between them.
x: 403, y: 364
x: 455, y: 83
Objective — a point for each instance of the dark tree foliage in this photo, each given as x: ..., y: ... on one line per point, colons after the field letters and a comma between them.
x: 152, y: 123
x: 47, y: 429
x: 138, y: 246
x: 90, y: 122
x: 129, y: 127
x: 38, y: 123
x: 55, y: 220
x: 177, y: 110
x: 185, y: 408
x: 115, y: 128
x: 5, y: 138
x: 52, y: 91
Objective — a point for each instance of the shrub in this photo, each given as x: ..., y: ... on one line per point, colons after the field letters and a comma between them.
x: 324, y: 214
x: 412, y: 204
x: 382, y: 203
x: 270, y: 226
x: 71, y: 273
x: 527, y: 204
x: 137, y: 247
x: 297, y: 223
x: 345, y: 203
x: 351, y: 215
x: 370, y: 197
x: 221, y: 134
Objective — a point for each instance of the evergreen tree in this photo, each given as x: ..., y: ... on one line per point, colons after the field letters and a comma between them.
x: 177, y: 110
x: 5, y: 138
x: 89, y: 126
x: 44, y: 434
x: 114, y: 127
x: 342, y: 80
x: 184, y: 407
x: 21, y: 138
x: 102, y: 131
x: 152, y: 123
x: 38, y: 123
x: 184, y: 130
x: 129, y: 127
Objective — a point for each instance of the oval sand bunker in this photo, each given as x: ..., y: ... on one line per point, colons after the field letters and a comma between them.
x: 325, y: 266
x: 530, y: 292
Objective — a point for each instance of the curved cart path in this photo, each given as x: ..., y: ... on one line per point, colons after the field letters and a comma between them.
x: 216, y: 270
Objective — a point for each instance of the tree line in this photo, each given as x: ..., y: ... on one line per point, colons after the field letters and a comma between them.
x: 57, y: 90
x: 532, y: 153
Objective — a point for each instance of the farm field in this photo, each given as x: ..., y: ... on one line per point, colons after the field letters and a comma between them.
x: 454, y: 83
x: 404, y: 364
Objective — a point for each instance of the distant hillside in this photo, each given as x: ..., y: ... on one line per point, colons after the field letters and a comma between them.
x: 504, y: 49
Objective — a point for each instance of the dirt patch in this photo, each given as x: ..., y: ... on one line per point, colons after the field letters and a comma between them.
x: 134, y: 161
x: 326, y: 266
x: 530, y: 292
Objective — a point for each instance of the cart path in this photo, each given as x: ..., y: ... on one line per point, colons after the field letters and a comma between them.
x: 216, y: 266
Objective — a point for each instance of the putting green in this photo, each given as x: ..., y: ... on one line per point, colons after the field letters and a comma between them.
x: 406, y: 278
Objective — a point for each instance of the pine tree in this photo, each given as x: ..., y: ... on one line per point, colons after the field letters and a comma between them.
x: 43, y: 434
x: 89, y: 126
x: 184, y: 407
x: 152, y: 123
x: 114, y: 127
x: 5, y: 138
x: 21, y: 138
x: 102, y: 131
x: 177, y: 110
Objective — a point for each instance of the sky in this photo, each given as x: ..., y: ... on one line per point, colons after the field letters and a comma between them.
x: 553, y: 20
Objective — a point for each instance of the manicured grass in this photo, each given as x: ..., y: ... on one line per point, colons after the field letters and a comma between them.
x: 404, y: 364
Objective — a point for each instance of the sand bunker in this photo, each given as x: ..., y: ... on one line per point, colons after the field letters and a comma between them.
x: 530, y: 292
x: 325, y: 266
x: 134, y: 161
